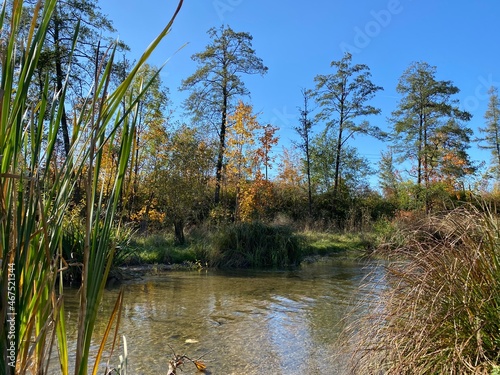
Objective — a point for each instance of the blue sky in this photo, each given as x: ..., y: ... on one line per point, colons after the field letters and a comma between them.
x: 297, y: 40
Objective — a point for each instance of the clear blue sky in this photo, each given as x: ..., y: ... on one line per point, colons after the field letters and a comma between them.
x: 297, y: 40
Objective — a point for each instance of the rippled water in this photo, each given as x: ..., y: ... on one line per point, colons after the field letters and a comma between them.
x: 245, y: 322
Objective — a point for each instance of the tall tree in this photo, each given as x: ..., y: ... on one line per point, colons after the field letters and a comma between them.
x: 267, y: 140
x: 175, y: 177
x: 304, y: 132
x: 425, y: 110
x: 491, y: 133
x: 59, y: 54
x: 248, y: 151
x: 184, y: 179
x: 343, y: 98
x: 217, y: 83
x: 151, y: 114
x: 241, y: 149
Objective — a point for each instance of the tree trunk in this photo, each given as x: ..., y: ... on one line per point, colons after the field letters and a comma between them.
x: 339, y: 142
x: 59, y: 84
x: 308, y: 171
x: 337, y: 161
x: 222, y: 146
x: 179, y: 231
x: 426, y: 169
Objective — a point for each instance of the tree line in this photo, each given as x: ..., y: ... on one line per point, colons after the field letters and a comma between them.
x: 213, y: 166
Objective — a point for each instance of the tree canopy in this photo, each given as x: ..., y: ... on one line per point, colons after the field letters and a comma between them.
x: 429, y: 125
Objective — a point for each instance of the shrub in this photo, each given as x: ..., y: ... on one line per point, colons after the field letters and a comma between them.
x: 254, y: 245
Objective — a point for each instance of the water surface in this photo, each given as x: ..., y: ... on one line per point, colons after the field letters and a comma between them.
x: 243, y: 322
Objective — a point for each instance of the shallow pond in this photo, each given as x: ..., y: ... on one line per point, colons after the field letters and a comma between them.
x: 241, y: 322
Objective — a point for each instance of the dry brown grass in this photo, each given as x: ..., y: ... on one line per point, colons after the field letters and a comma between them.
x: 439, y: 308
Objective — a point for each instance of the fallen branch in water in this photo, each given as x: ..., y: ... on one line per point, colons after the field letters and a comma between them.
x: 178, y: 360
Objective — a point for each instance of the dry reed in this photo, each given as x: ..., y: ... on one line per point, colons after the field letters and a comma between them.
x: 439, y: 309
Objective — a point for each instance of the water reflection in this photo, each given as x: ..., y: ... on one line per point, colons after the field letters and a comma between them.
x: 249, y: 322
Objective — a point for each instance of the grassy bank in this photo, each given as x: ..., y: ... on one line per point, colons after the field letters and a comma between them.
x: 328, y: 243
x: 160, y: 248
x: 242, y: 245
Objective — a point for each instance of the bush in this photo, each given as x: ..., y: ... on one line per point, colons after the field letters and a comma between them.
x: 255, y: 244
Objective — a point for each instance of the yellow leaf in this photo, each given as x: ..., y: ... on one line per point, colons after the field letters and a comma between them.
x: 200, y: 365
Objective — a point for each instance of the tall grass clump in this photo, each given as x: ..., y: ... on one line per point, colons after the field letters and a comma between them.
x: 439, y: 311
x: 36, y: 190
x: 254, y: 244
